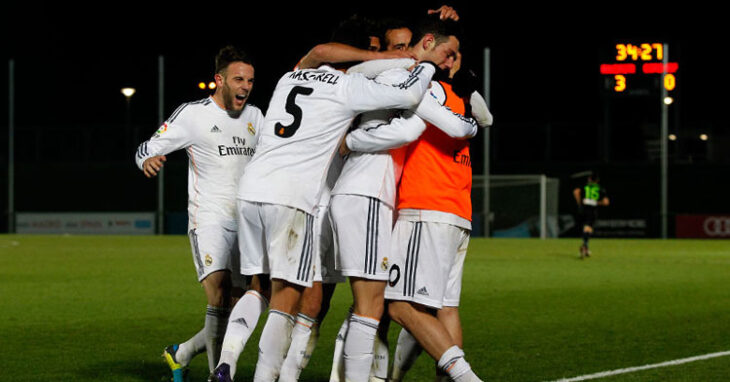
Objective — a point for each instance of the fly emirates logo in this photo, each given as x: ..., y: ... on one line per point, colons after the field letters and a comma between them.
x: 238, y: 148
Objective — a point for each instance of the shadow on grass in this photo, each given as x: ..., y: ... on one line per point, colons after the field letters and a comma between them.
x: 565, y: 255
x: 129, y: 370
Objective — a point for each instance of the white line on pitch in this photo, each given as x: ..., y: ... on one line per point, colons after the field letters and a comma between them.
x: 645, y: 367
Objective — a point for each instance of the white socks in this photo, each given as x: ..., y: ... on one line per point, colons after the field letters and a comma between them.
x: 216, y: 319
x: 242, y: 322
x: 190, y: 348
x: 406, y: 353
x: 453, y: 363
x: 298, y: 356
x: 358, y: 348
x: 273, y: 345
x: 337, y: 373
x: 379, y: 370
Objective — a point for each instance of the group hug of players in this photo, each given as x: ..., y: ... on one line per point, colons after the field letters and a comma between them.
x: 359, y: 170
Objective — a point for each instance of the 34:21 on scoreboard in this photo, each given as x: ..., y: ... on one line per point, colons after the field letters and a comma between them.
x: 631, y: 65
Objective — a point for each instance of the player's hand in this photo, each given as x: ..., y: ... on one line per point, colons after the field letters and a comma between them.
x: 153, y: 165
x: 446, y: 12
x: 344, y: 150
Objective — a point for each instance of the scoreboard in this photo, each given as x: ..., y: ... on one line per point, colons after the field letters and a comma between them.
x: 638, y: 69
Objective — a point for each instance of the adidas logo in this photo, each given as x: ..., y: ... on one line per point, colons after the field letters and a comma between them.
x: 215, y: 129
x: 241, y: 321
x: 422, y: 291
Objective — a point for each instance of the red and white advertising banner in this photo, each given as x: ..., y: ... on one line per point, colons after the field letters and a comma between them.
x: 703, y: 226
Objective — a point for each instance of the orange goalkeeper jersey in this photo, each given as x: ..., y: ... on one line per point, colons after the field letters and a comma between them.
x: 437, y: 169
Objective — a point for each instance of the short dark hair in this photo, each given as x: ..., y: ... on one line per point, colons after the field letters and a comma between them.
x: 441, y: 29
x: 354, y: 31
x: 391, y: 23
x: 230, y: 54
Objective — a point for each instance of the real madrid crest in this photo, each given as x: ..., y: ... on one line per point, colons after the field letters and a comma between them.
x: 251, y: 129
x: 208, y: 260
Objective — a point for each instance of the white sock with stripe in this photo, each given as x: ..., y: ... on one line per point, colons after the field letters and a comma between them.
x: 295, y: 357
x: 454, y: 364
x: 242, y: 322
x: 337, y: 373
x: 358, y: 348
x: 273, y: 345
x: 216, y: 319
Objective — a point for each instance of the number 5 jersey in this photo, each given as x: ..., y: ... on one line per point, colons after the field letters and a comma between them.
x: 308, y: 115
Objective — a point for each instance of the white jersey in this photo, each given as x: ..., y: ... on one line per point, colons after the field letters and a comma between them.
x: 368, y: 171
x: 218, y: 148
x: 308, y: 115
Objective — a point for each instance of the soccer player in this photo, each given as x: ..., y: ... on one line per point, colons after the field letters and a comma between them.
x: 363, y: 202
x: 308, y: 116
x: 591, y: 196
x: 219, y: 134
x: 455, y: 173
x: 434, y: 199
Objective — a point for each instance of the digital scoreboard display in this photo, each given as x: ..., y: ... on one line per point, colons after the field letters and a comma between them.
x: 638, y: 69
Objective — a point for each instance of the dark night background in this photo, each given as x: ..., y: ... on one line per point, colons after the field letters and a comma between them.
x: 75, y: 138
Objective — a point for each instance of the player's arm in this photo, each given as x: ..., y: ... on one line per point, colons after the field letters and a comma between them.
x: 453, y: 124
x: 464, y: 83
x: 480, y: 111
x: 578, y: 199
x: 371, y: 69
x: 150, y: 156
x: 334, y: 52
x: 399, y: 132
x: 366, y: 95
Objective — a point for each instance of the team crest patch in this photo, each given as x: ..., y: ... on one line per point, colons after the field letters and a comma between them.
x: 162, y: 128
x: 251, y: 130
x: 384, y: 264
x: 208, y: 260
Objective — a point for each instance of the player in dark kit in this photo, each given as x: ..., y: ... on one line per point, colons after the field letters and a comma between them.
x: 589, y: 198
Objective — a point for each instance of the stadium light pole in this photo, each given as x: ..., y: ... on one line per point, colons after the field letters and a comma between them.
x: 160, y: 118
x: 485, y: 184
x: 664, y: 143
x: 11, y: 146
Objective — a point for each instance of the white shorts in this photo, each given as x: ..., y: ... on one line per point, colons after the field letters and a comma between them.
x: 215, y: 248
x: 428, y: 262
x: 362, y: 228
x: 276, y: 240
x: 326, y: 271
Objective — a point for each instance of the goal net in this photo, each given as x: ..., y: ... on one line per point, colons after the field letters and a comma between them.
x: 515, y: 206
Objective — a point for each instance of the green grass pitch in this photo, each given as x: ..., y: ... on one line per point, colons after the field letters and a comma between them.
x: 88, y: 308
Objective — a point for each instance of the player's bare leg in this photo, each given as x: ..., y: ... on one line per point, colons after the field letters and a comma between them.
x: 434, y: 338
x: 449, y: 316
x: 408, y: 349
x: 276, y: 335
x: 368, y: 300
x: 587, y: 232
